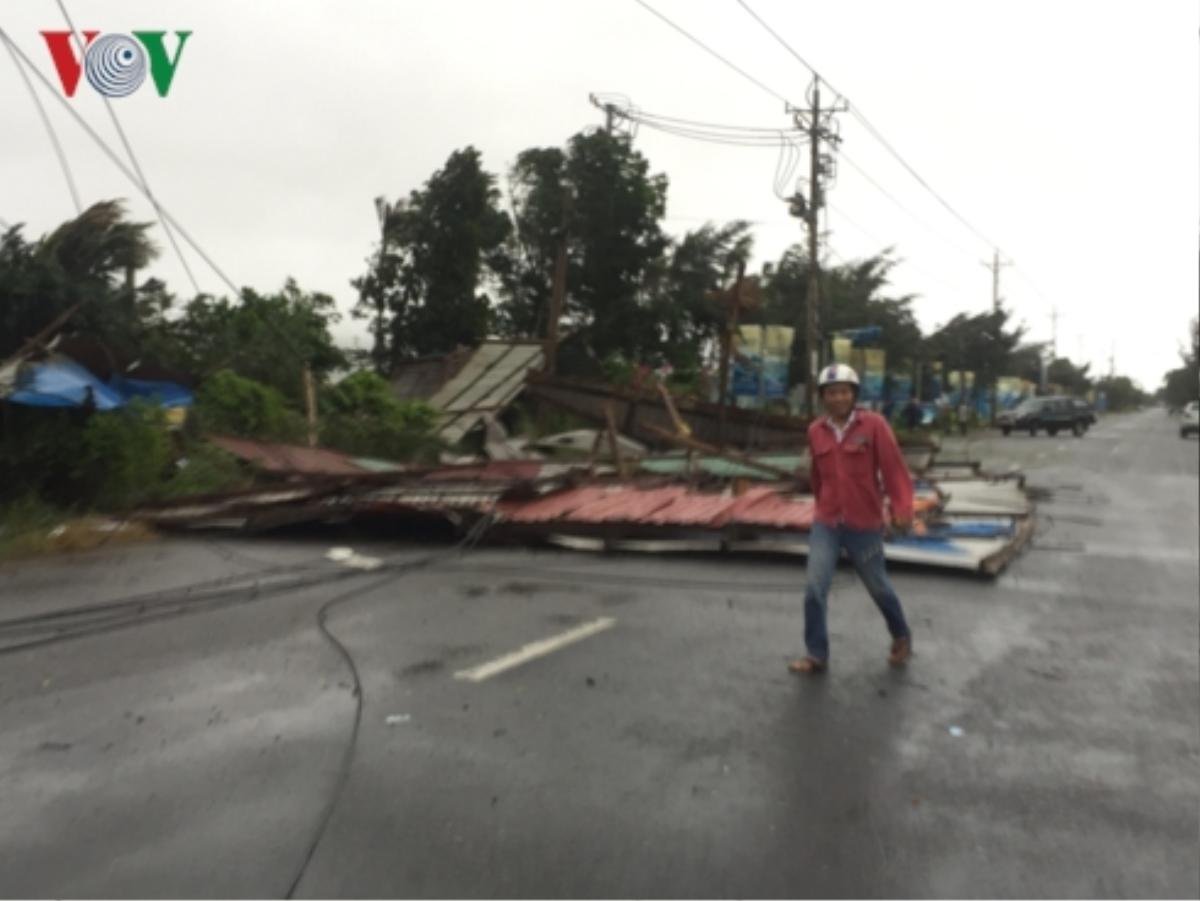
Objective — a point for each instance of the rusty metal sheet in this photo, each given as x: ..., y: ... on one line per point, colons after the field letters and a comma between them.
x: 289, y: 458
x: 496, y: 471
x: 772, y: 509
x: 692, y: 509
x: 551, y: 507
x: 630, y: 505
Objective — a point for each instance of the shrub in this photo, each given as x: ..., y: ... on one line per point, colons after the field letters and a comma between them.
x: 229, y: 404
x: 125, y: 456
x: 360, y: 415
x: 204, y: 469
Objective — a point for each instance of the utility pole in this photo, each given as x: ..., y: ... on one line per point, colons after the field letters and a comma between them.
x: 1053, y: 334
x: 817, y: 128
x: 558, y: 290
x: 995, y: 267
x: 812, y: 325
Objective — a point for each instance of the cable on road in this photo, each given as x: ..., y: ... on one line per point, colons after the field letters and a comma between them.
x: 473, y: 536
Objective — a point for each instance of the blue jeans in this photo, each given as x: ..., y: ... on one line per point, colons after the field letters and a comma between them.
x: 865, y: 550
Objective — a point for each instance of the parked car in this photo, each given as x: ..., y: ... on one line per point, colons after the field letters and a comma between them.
x: 1189, y: 423
x: 1084, y: 410
x: 1050, y: 414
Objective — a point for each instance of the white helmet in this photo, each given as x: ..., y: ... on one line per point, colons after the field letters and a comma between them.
x: 836, y: 373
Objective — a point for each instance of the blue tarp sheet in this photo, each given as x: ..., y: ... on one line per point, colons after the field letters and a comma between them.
x: 64, y: 383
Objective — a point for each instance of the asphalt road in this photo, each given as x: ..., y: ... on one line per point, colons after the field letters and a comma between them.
x: 1045, y: 741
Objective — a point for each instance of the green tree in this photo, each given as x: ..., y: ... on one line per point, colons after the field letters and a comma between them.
x: 615, y: 248
x: 90, y: 258
x: 687, y: 318
x: 361, y: 415
x: 439, y: 247
x: 230, y: 404
x: 853, y: 295
x: 1183, y: 384
x: 1026, y: 362
x: 1068, y: 377
x: 125, y: 457
x: 982, y: 344
x: 1121, y: 393
x: 264, y: 337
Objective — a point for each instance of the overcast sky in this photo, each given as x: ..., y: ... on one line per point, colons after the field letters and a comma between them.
x: 1067, y: 133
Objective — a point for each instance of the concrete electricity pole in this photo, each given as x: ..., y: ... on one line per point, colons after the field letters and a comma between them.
x: 995, y: 267
x: 817, y: 127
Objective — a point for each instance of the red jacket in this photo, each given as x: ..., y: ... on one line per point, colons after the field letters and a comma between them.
x: 846, y: 478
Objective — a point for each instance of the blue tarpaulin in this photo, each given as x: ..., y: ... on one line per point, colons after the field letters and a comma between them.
x: 64, y: 383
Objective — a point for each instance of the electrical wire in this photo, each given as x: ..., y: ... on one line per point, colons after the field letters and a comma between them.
x: 166, y: 214
x: 870, y: 127
x: 859, y: 116
x: 145, y: 185
x: 903, y: 208
x: 58, y: 150
x: 472, y: 537
x: 788, y: 141
x: 703, y: 46
x: 125, y: 170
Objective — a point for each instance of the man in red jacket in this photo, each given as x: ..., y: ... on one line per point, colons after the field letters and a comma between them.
x: 853, y: 452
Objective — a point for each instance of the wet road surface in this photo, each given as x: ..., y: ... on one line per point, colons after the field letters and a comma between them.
x: 1044, y: 742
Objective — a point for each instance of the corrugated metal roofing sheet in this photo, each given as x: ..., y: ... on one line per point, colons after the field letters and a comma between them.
x: 669, y: 506
x: 289, y: 458
x: 490, y: 380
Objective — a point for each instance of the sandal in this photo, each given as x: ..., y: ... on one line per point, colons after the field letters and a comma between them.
x: 810, y: 665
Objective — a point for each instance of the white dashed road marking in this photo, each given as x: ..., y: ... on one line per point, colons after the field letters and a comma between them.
x: 534, y: 650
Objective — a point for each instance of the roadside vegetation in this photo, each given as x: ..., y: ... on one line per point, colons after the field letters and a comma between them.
x: 465, y: 256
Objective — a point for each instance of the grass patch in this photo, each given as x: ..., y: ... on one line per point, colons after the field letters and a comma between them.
x: 29, y: 527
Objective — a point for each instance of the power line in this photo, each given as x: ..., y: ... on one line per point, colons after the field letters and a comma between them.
x: 890, y: 196
x: 709, y: 50
x: 58, y: 150
x: 118, y: 163
x: 145, y: 185
x: 631, y: 111
x: 788, y: 47
x: 874, y: 132
x: 788, y: 141
x: 957, y: 289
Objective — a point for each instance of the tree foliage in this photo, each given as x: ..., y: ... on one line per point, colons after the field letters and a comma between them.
x: 362, y: 416
x: 1182, y: 385
x: 264, y: 337
x: 853, y: 295
x: 85, y: 259
x: 230, y: 404
x: 427, y: 280
x: 611, y: 204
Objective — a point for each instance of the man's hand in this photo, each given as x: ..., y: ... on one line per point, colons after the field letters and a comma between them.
x: 904, y: 525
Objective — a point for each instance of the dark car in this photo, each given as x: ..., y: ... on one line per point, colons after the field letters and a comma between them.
x: 1085, y: 412
x: 1050, y: 414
